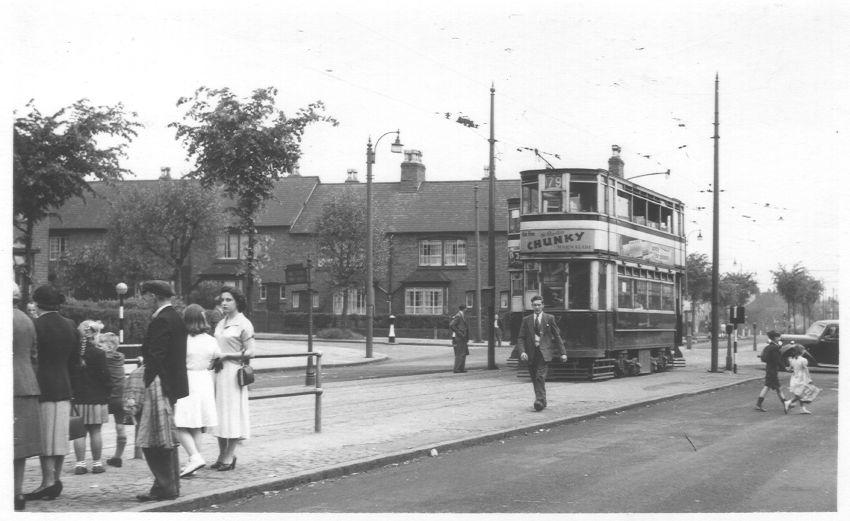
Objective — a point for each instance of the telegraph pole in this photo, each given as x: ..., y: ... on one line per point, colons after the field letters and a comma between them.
x: 715, y: 257
x: 478, y: 270
x: 491, y: 236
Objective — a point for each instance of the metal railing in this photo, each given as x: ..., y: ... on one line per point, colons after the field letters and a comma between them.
x: 316, y: 390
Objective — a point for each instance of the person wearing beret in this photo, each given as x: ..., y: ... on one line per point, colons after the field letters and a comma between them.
x: 164, y: 354
x: 27, y: 424
x: 58, y: 355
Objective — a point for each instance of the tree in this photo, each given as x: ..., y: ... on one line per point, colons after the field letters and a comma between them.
x: 736, y: 289
x: 243, y: 146
x: 165, y: 221
x: 797, y: 287
x: 56, y: 155
x: 85, y: 274
x: 341, y: 243
x: 699, y: 280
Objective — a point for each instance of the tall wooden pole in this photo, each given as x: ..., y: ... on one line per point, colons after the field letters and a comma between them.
x: 715, y: 257
x: 491, y: 236
x: 478, y: 303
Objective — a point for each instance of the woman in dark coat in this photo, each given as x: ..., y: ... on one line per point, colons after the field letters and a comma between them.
x: 58, y: 352
x: 92, y: 384
x: 27, y: 424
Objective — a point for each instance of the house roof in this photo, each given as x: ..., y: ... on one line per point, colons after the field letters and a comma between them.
x: 93, y: 211
x: 438, y: 206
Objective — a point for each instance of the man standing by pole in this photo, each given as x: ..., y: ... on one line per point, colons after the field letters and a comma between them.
x: 164, y: 354
x: 460, y: 341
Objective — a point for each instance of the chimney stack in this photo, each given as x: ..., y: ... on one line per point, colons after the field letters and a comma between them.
x: 165, y: 172
x: 352, y: 176
x: 615, y: 164
x: 412, y: 171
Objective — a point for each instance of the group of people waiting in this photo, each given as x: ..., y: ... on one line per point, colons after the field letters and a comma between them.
x: 190, y: 387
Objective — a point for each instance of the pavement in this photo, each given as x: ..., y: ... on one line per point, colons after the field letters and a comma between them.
x: 375, y: 422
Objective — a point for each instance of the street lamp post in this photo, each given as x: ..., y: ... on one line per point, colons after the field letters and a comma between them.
x: 689, y: 325
x: 121, y: 289
x: 396, y: 148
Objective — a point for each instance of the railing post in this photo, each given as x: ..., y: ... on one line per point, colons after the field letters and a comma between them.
x: 318, y: 420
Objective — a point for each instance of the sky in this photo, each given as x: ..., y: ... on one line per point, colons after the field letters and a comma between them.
x: 571, y: 79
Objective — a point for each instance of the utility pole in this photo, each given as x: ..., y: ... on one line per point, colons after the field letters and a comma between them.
x: 491, y: 236
x: 715, y: 257
x: 478, y: 270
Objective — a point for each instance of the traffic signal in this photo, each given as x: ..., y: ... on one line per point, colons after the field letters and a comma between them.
x: 736, y: 314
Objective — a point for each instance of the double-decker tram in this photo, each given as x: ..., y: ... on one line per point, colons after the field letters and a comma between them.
x: 608, y: 257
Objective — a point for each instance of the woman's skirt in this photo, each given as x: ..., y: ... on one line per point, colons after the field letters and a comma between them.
x: 55, y: 419
x: 93, y: 413
x: 231, y: 403
x: 198, y: 408
x: 156, y: 426
x: 27, y: 426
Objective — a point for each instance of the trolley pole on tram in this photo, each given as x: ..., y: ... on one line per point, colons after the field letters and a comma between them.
x: 491, y: 237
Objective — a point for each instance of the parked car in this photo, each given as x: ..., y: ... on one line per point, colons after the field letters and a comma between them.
x: 820, y: 342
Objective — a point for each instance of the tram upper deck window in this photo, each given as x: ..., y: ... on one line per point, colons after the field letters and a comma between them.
x: 530, y: 203
x: 624, y: 205
x: 583, y: 191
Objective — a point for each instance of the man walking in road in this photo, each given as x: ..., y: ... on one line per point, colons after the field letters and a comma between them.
x: 460, y: 340
x: 772, y: 358
x: 164, y: 354
x: 538, y: 339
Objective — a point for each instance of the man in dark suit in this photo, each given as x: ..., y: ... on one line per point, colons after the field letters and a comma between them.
x: 164, y: 355
x: 538, y: 340
x: 460, y: 339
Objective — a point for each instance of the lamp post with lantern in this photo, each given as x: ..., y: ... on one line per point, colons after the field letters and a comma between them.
x: 396, y: 148
x: 121, y: 289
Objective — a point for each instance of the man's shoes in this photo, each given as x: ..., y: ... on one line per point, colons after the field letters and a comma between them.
x: 538, y: 406
x: 760, y: 408
x: 114, y: 462
x: 155, y: 497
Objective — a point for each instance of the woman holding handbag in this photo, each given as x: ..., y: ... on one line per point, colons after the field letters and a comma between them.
x: 235, y: 336
x: 92, y: 385
x: 58, y: 351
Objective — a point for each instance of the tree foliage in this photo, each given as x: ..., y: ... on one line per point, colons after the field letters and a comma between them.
x: 56, y: 155
x: 341, y: 243
x: 164, y: 222
x: 243, y: 145
x: 798, y: 288
x: 736, y: 289
x: 699, y: 278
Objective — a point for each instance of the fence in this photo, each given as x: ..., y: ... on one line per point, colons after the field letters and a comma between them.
x: 131, y: 356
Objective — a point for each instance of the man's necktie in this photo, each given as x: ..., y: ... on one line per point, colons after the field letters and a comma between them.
x: 537, y: 324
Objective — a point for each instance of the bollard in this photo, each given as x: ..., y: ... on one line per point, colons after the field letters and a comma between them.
x: 391, y: 338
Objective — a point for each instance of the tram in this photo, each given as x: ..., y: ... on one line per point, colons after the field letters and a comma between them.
x: 608, y: 257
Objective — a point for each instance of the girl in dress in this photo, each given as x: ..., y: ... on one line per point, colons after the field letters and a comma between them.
x: 801, y: 382
x: 92, y: 385
x: 196, y: 412
x: 235, y: 336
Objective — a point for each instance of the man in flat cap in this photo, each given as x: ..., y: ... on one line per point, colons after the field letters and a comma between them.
x: 164, y: 354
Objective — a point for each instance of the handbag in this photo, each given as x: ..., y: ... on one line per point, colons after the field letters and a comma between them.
x: 76, y: 429
x: 245, y: 373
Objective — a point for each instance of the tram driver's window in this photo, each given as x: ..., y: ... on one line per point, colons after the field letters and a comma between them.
x: 529, y: 197
x: 626, y: 293
x: 552, y: 278
x: 578, y: 287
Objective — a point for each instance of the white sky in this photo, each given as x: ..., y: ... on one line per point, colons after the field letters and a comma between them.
x: 572, y: 78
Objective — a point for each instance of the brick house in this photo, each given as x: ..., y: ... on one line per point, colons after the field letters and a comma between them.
x: 430, y: 226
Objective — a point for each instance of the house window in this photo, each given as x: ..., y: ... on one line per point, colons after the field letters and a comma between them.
x: 231, y: 245
x: 504, y: 298
x: 58, y: 246
x: 470, y: 300
x: 356, y: 302
x: 296, y: 300
x: 423, y: 301
x: 430, y: 253
x: 455, y: 252
x: 263, y: 292
x: 282, y: 290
